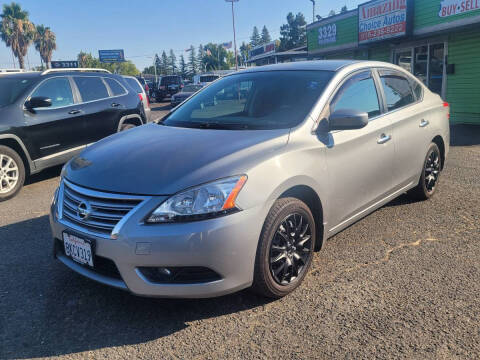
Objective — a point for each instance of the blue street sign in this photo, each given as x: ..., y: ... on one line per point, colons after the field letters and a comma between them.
x: 111, y: 56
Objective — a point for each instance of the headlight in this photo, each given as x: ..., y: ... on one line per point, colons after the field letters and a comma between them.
x: 210, y: 200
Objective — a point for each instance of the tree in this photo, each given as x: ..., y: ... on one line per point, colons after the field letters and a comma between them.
x: 164, y: 64
x: 183, y: 67
x: 201, y: 58
x: 16, y: 30
x: 158, y: 64
x: 45, y: 43
x: 192, y: 62
x: 216, y: 57
x: 172, y: 62
x: 87, y: 60
x: 332, y: 13
x: 293, y: 33
x: 266, y: 38
x: 244, y: 49
x: 255, y: 39
x: 344, y: 9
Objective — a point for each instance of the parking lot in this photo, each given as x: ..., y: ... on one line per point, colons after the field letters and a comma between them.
x: 403, y: 282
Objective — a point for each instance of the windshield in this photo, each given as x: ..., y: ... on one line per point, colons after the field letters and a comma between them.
x: 191, y: 88
x: 11, y: 89
x: 259, y: 100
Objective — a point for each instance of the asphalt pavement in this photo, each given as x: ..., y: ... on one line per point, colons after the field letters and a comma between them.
x: 402, y: 283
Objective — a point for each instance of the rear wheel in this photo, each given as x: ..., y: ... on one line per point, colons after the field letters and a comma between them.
x: 12, y: 173
x: 285, y: 249
x: 432, y: 166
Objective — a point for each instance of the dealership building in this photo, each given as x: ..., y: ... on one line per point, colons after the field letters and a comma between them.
x: 437, y: 40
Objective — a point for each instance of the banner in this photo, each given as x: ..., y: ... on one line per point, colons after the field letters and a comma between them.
x: 381, y: 20
x: 456, y: 7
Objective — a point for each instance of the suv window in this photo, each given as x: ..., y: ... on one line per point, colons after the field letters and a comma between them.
x: 91, y: 88
x: 169, y: 80
x: 134, y: 85
x: 398, y: 92
x: 58, y: 89
x: 115, y: 87
x: 358, y: 93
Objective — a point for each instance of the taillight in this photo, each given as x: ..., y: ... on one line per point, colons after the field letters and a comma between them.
x: 447, y: 105
x: 140, y: 97
x: 147, y: 88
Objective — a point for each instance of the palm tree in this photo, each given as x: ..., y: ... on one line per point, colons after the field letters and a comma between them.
x: 45, y: 43
x: 16, y: 30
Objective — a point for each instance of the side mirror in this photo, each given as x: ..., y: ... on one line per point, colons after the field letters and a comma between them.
x: 38, y: 102
x: 347, y: 119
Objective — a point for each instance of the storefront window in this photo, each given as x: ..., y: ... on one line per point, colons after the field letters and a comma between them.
x: 404, y: 59
x: 421, y: 63
x: 436, y: 68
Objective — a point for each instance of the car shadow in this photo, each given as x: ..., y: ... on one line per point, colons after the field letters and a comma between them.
x: 48, y: 310
x: 464, y: 135
x: 44, y: 175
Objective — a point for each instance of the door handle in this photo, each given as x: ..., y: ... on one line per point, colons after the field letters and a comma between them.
x: 424, y: 123
x: 73, y: 112
x: 115, y: 104
x: 383, y: 139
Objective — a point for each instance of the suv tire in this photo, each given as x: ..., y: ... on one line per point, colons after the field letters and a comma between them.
x: 288, y: 235
x: 11, y: 166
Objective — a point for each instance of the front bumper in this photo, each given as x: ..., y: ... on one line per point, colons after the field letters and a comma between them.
x: 226, y: 245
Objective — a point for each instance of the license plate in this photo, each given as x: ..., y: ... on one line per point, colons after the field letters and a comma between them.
x: 80, y: 250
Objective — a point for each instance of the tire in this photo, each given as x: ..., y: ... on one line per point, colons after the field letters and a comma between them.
x: 273, y: 245
x: 428, y: 183
x: 11, y: 166
x: 126, y: 127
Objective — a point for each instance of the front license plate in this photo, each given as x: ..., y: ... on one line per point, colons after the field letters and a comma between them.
x: 80, y: 250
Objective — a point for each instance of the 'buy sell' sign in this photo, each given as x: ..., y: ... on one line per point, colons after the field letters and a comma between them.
x: 455, y: 7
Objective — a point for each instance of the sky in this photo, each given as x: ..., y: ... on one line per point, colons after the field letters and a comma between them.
x: 145, y: 27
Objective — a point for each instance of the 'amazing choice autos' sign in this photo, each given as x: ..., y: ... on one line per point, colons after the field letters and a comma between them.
x: 381, y: 20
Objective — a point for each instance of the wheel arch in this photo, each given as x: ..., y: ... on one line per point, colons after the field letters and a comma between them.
x: 133, y: 119
x: 441, y: 145
x: 310, y: 197
x: 16, y: 144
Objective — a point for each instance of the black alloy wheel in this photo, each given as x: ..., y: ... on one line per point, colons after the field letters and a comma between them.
x: 428, y: 183
x: 285, y: 249
x: 290, y: 249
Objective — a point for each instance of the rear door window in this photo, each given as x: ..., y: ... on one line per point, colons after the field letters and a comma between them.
x: 115, y: 87
x: 58, y: 89
x: 358, y: 93
x: 91, y: 88
x: 397, y: 88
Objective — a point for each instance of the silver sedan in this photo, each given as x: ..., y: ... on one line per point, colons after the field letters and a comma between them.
x: 243, y: 182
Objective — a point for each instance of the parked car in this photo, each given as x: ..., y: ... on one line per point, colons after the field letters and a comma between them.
x: 244, y: 190
x: 168, y: 85
x: 184, y: 94
x: 135, y: 84
x: 46, y: 118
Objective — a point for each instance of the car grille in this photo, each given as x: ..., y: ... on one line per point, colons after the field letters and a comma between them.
x: 105, y: 210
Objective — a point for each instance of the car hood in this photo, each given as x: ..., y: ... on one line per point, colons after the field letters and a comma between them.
x: 162, y: 160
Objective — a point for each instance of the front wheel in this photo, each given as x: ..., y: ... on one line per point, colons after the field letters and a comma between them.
x: 12, y: 173
x: 432, y: 166
x: 285, y: 249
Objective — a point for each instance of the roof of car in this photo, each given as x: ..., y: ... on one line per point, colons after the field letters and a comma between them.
x: 325, y: 65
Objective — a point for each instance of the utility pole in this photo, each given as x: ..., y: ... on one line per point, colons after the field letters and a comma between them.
x: 234, y: 35
x: 313, y: 3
